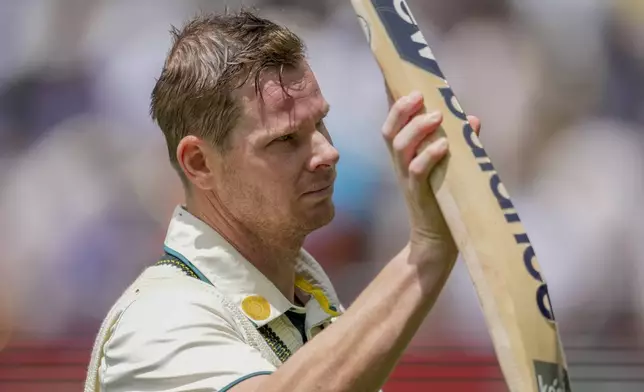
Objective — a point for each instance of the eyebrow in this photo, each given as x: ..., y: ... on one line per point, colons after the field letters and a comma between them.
x: 285, y: 131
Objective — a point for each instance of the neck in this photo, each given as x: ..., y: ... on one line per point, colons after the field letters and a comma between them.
x: 273, y: 255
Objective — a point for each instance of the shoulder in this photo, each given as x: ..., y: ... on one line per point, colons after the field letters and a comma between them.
x: 163, y: 298
x: 162, y: 329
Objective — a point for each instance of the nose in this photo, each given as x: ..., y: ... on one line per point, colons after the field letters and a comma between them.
x: 325, y: 155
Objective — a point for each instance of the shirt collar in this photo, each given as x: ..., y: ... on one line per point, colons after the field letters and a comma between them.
x: 191, y: 239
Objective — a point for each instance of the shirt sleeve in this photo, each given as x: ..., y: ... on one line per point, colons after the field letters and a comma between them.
x: 176, y: 340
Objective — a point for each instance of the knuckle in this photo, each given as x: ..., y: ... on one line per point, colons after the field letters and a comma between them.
x: 433, y: 150
x: 398, y: 144
x: 418, y: 170
x: 425, y: 122
x: 415, y: 172
x: 433, y: 118
x: 416, y: 126
x: 400, y: 110
x: 418, y: 118
x: 434, y: 155
x: 400, y: 105
x: 388, y: 134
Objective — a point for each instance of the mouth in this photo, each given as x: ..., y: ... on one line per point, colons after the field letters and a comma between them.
x: 321, y: 191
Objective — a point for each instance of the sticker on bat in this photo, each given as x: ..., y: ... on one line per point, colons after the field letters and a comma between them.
x: 405, y: 34
x: 551, y: 377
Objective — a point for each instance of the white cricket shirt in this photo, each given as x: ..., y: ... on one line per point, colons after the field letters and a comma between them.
x: 227, y: 322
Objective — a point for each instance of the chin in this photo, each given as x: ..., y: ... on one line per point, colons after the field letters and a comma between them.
x: 320, y: 216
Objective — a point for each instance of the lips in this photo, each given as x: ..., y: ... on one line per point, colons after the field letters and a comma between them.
x: 320, y: 188
x: 323, y: 184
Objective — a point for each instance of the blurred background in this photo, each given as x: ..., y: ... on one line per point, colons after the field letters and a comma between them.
x: 86, y: 190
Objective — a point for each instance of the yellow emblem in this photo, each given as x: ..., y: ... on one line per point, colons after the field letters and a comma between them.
x: 256, y: 307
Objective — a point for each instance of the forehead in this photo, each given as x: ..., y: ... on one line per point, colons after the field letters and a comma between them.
x: 283, y: 103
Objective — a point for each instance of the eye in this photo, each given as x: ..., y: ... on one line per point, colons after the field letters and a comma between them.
x: 285, y: 138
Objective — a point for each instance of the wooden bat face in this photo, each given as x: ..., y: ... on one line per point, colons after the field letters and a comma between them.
x: 502, y: 262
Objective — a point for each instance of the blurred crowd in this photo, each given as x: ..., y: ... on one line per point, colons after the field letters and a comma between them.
x: 86, y: 189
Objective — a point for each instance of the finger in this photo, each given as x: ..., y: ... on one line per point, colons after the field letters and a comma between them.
x: 407, y: 141
x: 475, y: 123
x: 424, y: 162
x: 400, y: 113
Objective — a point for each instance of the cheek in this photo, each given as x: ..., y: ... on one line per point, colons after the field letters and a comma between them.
x: 281, y: 180
x: 269, y: 182
x: 267, y: 177
x: 286, y: 165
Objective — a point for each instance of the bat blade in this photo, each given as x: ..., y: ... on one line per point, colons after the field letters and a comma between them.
x: 502, y: 264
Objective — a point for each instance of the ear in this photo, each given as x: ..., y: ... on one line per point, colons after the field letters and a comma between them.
x: 196, y: 158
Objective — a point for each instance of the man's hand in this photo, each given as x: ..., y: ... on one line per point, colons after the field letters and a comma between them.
x: 415, y: 150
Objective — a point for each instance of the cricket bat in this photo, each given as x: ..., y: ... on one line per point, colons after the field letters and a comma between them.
x: 512, y: 291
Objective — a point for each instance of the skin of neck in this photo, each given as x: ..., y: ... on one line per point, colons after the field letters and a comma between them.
x: 274, y: 255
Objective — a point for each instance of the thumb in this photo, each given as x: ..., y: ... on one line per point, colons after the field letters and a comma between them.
x: 475, y: 123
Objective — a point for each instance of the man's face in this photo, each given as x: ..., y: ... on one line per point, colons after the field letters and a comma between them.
x: 279, y: 169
